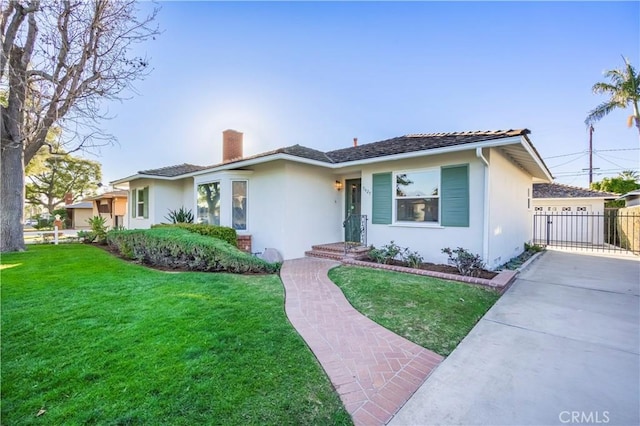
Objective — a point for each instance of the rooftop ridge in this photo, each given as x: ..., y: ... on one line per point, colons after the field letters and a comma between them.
x: 515, y: 132
x: 575, y: 188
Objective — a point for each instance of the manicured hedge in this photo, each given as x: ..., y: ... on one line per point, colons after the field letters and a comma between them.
x: 172, y: 247
x: 222, y: 232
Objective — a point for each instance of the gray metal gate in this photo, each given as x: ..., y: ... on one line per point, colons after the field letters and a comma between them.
x: 609, y: 231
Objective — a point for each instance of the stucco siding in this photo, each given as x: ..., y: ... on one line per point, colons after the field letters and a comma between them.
x: 139, y: 222
x: 510, y: 224
x: 429, y: 240
x: 292, y: 207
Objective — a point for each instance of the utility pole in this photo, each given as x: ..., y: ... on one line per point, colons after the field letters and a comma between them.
x: 590, y: 154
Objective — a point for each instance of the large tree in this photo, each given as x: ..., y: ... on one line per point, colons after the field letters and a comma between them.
x: 58, y: 61
x: 623, y: 89
x: 61, y: 175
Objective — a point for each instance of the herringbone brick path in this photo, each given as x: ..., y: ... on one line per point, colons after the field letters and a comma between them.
x: 374, y: 370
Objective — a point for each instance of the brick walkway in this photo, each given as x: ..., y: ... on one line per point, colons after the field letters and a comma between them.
x: 373, y: 370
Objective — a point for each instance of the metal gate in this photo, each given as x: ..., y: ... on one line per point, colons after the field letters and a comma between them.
x: 609, y: 231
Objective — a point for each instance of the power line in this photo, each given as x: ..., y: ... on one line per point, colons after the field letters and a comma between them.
x: 609, y: 161
x: 567, y: 162
x: 595, y: 150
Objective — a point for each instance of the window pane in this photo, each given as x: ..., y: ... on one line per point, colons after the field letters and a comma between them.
x: 209, y: 203
x: 417, y: 210
x: 141, y: 201
x: 417, y: 184
x: 239, y: 189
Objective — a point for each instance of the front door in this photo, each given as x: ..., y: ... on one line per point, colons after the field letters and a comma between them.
x: 353, y: 192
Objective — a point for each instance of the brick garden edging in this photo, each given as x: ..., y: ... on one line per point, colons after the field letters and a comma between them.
x: 500, y: 282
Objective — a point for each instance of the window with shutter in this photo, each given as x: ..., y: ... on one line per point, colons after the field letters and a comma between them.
x: 134, y: 202
x: 454, y: 185
x: 382, y: 199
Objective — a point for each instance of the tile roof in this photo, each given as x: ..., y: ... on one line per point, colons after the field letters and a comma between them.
x: 557, y: 190
x: 172, y: 171
x: 110, y: 194
x: 80, y: 205
x: 418, y: 142
x: 398, y: 145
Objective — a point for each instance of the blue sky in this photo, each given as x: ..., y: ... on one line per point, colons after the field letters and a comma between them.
x: 320, y: 74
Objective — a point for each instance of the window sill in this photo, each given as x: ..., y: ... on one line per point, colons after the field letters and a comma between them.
x: 417, y: 225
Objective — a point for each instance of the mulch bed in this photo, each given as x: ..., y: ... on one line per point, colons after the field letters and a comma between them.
x: 446, y: 269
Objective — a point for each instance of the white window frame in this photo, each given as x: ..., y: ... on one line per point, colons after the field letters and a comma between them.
x: 395, y: 199
x: 220, y: 188
x: 139, y: 192
x: 246, y: 205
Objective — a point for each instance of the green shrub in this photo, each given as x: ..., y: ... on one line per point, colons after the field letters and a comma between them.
x: 386, y: 254
x: 390, y: 252
x: 467, y: 263
x: 175, y: 248
x: 412, y: 258
x: 87, y: 236
x: 221, y: 232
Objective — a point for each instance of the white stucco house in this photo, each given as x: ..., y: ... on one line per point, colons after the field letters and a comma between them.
x: 423, y: 191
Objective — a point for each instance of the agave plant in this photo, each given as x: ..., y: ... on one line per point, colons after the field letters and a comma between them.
x: 181, y: 215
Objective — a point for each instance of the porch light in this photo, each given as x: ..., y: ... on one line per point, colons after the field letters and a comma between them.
x: 338, y: 185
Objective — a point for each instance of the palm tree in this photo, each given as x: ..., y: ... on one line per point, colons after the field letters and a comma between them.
x: 624, y: 89
x: 629, y: 175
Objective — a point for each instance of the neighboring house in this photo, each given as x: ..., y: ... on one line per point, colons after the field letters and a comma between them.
x: 112, y: 206
x: 564, y: 213
x: 423, y: 191
x: 631, y: 199
x: 78, y: 214
x: 555, y: 197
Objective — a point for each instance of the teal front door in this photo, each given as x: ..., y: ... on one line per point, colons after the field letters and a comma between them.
x: 352, y: 224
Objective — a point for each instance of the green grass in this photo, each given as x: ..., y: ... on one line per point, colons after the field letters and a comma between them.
x: 92, y: 339
x: 435, y: 314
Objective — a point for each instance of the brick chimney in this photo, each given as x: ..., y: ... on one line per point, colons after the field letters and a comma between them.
x: 231, y: 145
x: 68, y: 198
x: 355, y: 142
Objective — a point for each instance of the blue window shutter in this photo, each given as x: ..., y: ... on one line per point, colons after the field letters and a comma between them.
x: 382, y: 199
x: 146, y: 202
x: 134, y: 202
x: 454, y: 195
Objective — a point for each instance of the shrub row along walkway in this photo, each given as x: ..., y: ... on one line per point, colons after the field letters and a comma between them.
x: 374, y: 370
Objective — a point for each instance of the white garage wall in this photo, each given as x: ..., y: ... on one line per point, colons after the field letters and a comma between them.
x: 568, y: 223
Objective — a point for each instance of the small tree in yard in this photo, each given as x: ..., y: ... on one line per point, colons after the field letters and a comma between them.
x: 58, y: 60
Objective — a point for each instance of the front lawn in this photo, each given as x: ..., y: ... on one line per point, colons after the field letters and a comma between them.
x: 436, y: 314
x: 90, y: 339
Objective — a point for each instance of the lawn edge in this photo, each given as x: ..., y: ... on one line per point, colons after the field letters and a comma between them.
x: 500, y: 282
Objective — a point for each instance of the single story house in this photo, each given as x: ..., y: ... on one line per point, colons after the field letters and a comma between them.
x: 631, y: 199
x: 423, y: 191
x: 112, y: 205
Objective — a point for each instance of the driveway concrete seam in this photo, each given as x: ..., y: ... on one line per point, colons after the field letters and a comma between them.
x: 559, y: 336
x: 580, y: 287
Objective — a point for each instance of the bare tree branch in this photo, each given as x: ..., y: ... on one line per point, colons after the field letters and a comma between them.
x: 59, y: 60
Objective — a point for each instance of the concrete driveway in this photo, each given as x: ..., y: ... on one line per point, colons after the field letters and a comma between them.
x: 562, y: 346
